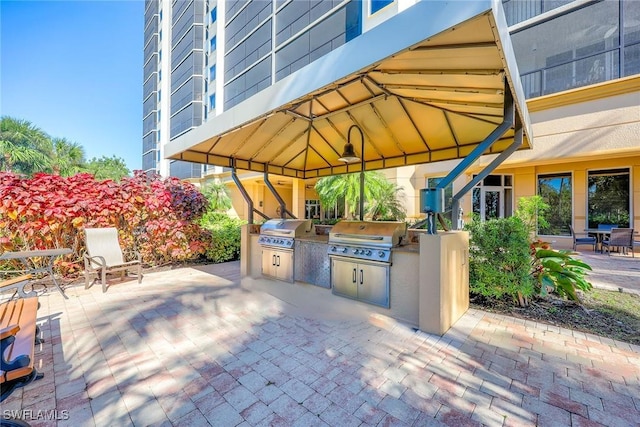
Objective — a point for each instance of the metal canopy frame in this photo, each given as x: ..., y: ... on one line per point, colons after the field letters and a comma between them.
x: 429, y: 84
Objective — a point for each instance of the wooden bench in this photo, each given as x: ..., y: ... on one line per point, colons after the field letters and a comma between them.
x: 18, y: 283
x: 18, y: 338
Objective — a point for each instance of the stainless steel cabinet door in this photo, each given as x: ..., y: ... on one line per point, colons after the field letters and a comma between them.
x: 344, y: 277
x: 373, y: 284
x: 268, y: 262
x: 284, y: 265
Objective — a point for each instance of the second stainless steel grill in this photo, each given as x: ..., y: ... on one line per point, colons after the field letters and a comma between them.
x: 360, y: 254
x: 368, y: 240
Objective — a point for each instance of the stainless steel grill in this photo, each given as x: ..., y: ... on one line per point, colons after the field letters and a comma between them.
x: 277, y: 238
x: 360, y: 254
x: 367, y: 240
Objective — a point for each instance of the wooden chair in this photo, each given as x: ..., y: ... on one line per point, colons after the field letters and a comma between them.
x: 588, y: 240
x: 104, y: 256
x: 621, y: 238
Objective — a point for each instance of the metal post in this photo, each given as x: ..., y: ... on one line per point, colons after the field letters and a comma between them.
x: 361, y: 168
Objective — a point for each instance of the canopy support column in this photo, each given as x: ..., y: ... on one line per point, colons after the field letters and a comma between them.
x: 246, y: 197
x: 432, y: 199
x: 517, y: 143
x: 283, y: 206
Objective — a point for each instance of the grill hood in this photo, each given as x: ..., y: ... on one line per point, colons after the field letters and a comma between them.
x: 370, y: 233
x: 287, y: 227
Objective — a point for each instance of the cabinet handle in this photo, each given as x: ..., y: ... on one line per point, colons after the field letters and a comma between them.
x: 353, y: 279
x: 361, y: 276
x: 278, y: 264
x: 273, y: 260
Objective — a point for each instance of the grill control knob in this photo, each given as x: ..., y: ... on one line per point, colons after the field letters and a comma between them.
x: 333, y: 249
x: 381, y: 254
x: 368, y: 253
x: 344, y: 250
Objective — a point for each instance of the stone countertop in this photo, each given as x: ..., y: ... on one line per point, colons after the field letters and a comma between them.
x: 313, y: 238
x: 407, y: 248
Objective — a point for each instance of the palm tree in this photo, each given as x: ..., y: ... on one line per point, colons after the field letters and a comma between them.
x: 380, y: 194
x: 67, y: 158
x: 23, y: 146
x: 387, y: 203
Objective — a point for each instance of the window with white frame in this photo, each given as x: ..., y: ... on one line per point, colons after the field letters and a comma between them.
x: 493, y: 197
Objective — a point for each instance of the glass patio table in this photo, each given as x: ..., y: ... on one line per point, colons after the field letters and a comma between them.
x: 27, y: 258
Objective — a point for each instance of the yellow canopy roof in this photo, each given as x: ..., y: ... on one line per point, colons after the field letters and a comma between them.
x: 427, y: 85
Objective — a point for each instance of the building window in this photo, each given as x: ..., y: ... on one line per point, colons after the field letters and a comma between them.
x: 558, y: 55
x: 608, y: 193
x: 448, y: 191
x: 493, y: 197
x: 556, y: 191
x: 212, y: 44
x: 377, y: 5
x: 214, y: 15
x: 212, y: 73
x: 312, y: 209
x: 212, y: 101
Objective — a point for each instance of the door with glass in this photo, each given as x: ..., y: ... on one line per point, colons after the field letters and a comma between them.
x: 489, y: 202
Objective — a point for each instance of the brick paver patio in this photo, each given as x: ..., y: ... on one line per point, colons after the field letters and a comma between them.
x: 194, y: 347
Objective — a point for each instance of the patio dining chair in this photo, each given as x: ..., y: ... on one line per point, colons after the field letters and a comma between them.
x: 587, y: 240
x: 621, y: 239
x: 104, y: 256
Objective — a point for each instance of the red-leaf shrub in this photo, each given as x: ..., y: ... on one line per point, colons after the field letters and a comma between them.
x: 155, y: 216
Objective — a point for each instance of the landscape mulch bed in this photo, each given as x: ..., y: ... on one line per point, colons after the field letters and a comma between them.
x: 617, y: 317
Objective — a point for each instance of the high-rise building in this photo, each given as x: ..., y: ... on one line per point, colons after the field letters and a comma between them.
x: 579, y: 65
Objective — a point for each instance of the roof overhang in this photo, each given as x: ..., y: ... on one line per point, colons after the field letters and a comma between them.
x: 427, y: 85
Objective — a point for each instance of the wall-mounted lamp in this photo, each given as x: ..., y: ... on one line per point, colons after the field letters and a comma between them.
x: 349, y: 156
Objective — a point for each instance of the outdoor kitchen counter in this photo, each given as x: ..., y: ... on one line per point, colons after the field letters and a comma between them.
x: 404, y: 274
x: 314, y: 238
x: 406, y: 248
x: 404, y: 283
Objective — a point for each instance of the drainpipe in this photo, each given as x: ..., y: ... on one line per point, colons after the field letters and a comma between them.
x: 246, y: 197
x: 283, y: 207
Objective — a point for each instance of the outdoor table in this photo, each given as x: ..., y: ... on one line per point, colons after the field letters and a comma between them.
x: 600, y: 234
x: 26, y: 257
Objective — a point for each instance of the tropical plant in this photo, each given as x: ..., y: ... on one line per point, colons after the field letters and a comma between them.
x: 557, y: 271
x: 499, y: 259
x: 532, y: 212
x: 113, y: 168
x: 217, y: 193
x: 23, y: 146
x: 380, y: 194
x: 225, y: 236
x: 156, y: 216
x: 387, y: 201
x: 66, y: 158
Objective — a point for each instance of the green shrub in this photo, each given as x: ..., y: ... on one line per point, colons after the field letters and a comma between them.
x: 500, y: 259
x: 225, y: 237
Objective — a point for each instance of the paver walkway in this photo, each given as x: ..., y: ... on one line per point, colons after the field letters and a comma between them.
x: 614, y: 271
x: 194, y: 347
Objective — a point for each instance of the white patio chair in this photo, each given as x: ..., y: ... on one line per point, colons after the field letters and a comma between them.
x: 104, y: 256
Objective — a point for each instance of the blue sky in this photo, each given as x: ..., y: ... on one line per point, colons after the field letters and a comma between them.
x: 74, y: 69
